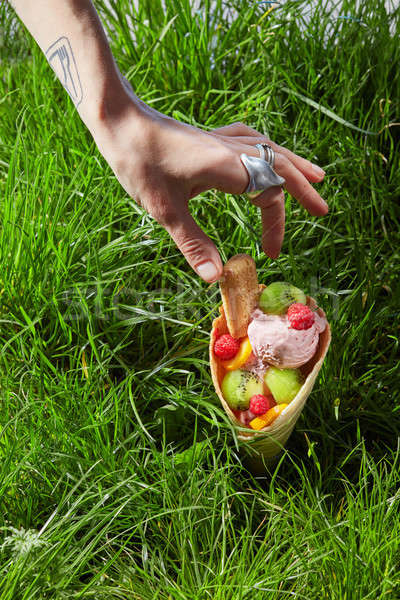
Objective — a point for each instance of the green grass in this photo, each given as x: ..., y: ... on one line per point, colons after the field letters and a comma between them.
x: 120, y: 477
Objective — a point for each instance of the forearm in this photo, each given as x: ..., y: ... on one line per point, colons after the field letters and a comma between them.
x: 71, y: 36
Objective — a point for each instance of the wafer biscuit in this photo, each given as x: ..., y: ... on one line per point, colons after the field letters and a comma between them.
x: 240, y: 292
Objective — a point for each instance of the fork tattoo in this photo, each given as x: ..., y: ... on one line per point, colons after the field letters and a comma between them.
x: 62, y: 60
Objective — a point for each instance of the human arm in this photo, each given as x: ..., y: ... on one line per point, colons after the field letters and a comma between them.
x: 160, y: 162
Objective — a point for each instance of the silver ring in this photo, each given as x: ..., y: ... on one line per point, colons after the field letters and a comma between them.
x: 261, y: 174
x: 270, y: 155
x: 265, y: 151
x: 261, y: 150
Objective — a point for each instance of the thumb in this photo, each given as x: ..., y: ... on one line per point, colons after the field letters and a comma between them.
x: 199, y: 251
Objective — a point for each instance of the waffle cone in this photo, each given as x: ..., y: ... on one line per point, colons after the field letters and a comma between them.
x: 266, y: 444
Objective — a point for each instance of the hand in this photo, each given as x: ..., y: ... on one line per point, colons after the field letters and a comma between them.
x: 162, y: 163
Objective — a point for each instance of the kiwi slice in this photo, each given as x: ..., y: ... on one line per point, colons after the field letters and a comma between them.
x: 284, y: 384
x: 276, y: 298
x: 239, y: 386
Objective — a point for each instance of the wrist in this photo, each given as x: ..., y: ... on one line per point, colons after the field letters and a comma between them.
x: 108, y: 104
x: 117, y: 119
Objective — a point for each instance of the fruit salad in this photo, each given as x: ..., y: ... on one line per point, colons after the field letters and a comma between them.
x: 262, y: 370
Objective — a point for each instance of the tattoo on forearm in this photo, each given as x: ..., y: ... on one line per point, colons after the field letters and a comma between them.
x: 62, y: 60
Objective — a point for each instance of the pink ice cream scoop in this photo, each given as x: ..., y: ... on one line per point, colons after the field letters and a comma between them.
x: 275, y: 342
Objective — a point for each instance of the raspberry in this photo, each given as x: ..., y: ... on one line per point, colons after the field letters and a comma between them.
x: 300, y: 316
x: 259, y: 404
x: 226, y: 347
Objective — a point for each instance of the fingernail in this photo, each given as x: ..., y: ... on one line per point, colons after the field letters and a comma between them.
x: 318, y: 170
x: 208, y: 271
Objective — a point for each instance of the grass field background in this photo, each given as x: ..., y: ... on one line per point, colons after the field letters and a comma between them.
x: 120, y: 477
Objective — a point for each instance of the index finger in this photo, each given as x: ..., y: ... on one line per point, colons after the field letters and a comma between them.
x: 272, y: 204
